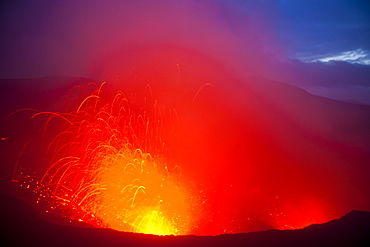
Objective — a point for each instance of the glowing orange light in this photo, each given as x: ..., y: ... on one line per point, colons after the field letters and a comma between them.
x: 111, y: 168
x: 299, y: 214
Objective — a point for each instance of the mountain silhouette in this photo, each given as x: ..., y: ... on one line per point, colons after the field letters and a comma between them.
x: 20, y: 226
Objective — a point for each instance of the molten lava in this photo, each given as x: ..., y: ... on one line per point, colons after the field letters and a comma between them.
x: 250, y: 159
x: 111, y: 167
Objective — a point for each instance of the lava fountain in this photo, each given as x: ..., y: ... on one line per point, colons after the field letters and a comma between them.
x: 111, y: 165
x: 249, y: 160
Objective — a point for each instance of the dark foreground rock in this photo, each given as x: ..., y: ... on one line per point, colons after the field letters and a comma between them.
x: 20, y: 226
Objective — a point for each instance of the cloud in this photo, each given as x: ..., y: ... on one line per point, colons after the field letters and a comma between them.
x: 67, y: 37
x: 358, y: 56
x: 42, y: 38
x: 316, y: 27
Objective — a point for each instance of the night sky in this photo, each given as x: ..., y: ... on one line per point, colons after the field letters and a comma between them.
x: 322, y: 46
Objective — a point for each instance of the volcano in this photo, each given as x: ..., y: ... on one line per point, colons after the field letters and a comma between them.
x: 255, y: 155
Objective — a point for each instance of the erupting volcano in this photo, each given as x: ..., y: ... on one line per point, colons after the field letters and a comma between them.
x: 111, y: 165
x: 202, y: 118
x: 175, y: 159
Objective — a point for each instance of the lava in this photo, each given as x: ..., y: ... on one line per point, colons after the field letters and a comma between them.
x: 178, y: 148
x: 110, y: 167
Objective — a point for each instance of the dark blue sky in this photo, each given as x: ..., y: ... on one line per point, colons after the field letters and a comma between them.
x: 317, y: 27
x: 286, y: 40
x: 310, y: 28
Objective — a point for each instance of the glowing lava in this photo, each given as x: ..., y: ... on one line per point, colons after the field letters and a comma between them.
x: 244, y: 162
x: 111, y: 167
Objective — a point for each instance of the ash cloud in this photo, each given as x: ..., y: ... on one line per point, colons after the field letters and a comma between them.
x: 69, y: 38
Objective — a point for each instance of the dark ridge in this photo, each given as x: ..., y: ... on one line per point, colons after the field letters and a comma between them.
x: 352, y: 218
x: 21, y: 227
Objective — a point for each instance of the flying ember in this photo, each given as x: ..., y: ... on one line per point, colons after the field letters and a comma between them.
x: 112, y: 165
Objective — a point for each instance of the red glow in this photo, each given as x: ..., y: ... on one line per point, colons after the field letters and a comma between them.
x: 175, y: 146
x: 298, y: 213
x: 111, y: 167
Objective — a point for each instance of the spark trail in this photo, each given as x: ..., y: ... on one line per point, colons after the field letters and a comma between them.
x: 111, y: 166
